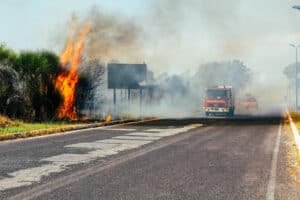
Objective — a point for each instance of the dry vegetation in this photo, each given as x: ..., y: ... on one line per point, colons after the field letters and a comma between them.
x: 296, y: 118
x: 5, y: 121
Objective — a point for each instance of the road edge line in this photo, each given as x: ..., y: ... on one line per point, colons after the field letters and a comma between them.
x: 294, y: 131
x: 272, y: 180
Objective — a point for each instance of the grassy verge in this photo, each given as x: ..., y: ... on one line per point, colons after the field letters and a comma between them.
x: 26, y: 127
x: 296, y: 118
x: 8, y: 126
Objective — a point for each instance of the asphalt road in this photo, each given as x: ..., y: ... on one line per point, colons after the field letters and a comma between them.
x: 240, y: 158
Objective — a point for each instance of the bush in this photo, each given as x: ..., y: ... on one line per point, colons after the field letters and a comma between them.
x: 5, y: 121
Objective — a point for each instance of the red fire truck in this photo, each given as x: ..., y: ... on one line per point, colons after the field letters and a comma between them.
x: 219, y: 101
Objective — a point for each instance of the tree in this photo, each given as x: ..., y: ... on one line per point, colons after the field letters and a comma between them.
x: 7, y: 56
x: 233, y: 73
x: 290, y: 73
x: 11, y: 102
x: 90, y: 86
x: 37, y: 71
x: 174, y: 87
x: 10, y: 98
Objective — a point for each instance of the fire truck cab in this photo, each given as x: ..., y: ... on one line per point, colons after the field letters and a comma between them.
x: 219, y: 101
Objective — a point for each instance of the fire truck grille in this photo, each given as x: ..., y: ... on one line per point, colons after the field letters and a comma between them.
x: 216, y: 105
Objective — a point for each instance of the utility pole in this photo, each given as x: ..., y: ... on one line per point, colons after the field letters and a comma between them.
x: 296, y: 77
x: 297, y: 7
x: 296, y: 74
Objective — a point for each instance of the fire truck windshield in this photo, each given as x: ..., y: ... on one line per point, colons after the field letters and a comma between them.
x: 217, y: 94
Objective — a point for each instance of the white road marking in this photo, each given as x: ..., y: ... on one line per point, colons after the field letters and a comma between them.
x: 272, y: 180
x: 120, y: 129
x: 144, y: 134
x: 92, y: 145
x: 100, y: 149
x: 128, y: 137
x: 157, y: 130
x: 161, y: 134
x: 68, y: 159
x: 28, y: 176
x: 126, y: 142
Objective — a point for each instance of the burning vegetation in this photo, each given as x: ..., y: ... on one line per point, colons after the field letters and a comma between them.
x: 40, y: 85
x: 83, y: 84
x: 67, y: 80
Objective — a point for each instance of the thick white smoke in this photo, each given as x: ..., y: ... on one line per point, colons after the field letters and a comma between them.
x: 180, y: 38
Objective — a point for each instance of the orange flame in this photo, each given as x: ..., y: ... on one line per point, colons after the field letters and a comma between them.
x: 66, y: 81
x: 108, y: 119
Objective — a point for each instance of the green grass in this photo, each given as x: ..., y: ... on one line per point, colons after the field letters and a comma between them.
x: 19, y: 127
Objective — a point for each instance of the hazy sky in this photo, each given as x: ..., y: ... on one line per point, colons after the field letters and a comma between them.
x: 180, y: 35
x: 32, y: 24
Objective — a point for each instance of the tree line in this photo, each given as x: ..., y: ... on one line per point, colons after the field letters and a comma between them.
x: 27, y: 88
x: 27, y: 84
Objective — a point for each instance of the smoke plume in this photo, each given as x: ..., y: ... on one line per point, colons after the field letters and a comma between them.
x: 112, y: 37
x: 188, y: 46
